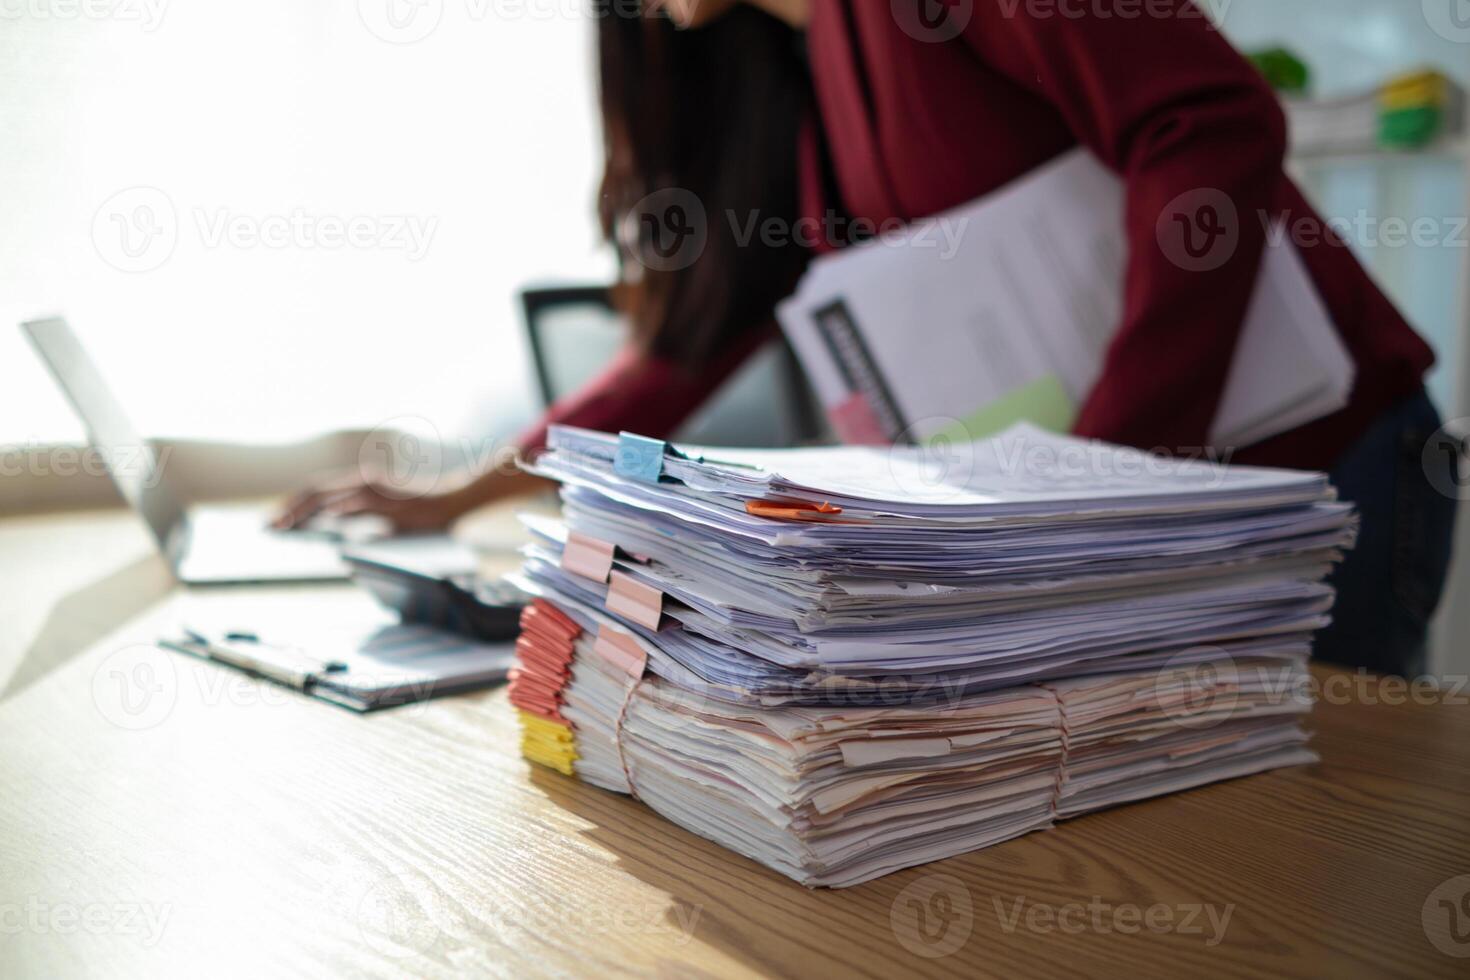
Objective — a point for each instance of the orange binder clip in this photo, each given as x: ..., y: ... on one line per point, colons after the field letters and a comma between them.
x: 790, y: 512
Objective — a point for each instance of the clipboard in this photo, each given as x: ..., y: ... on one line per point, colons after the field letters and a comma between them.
x: 382, y: 667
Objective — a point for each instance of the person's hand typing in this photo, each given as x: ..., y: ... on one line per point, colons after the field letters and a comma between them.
x: 349, y: 495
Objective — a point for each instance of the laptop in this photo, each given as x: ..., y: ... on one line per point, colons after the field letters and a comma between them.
x: 205, y: 545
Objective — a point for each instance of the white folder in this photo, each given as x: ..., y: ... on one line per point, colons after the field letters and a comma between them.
x: 1002, y: 310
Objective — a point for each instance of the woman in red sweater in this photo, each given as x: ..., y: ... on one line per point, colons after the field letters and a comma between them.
x: 892, y: 111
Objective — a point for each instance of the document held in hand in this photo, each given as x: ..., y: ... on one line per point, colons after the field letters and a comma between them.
x: 1002, y: 311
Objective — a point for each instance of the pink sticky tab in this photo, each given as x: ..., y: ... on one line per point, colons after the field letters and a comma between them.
x: 587, y: 557
x: 620, y: 650
x: 628, y: 597
x: 855, y: 422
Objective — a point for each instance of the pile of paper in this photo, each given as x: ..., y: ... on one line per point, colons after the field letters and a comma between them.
x: 841, y: 662
x: 1003, y: 310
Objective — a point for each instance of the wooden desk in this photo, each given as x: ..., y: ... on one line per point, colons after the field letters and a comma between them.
x: 165, y: 817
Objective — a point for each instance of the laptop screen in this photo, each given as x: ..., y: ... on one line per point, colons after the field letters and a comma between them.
x: 131, y: 461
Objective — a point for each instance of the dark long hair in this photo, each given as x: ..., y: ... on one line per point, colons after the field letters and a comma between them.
x: 700, y: 129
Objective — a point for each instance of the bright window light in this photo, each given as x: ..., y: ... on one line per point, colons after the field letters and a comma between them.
x: 276, y: 219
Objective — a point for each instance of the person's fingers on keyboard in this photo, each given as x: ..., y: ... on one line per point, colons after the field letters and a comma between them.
x: 310, y: 502
x: 301, y: 506
x: 426, y: 512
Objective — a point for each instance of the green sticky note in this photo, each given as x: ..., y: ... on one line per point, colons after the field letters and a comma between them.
x: 1043, y: 403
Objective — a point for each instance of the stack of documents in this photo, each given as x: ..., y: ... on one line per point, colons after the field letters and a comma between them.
x: 1002, y: 310
x: 841, y: 662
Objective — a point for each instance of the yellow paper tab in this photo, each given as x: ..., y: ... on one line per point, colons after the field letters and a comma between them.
x: 548, y: 743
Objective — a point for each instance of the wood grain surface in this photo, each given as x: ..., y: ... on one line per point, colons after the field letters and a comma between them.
x: 161, y: 816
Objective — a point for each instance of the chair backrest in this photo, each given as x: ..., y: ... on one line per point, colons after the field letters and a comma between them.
x: 574, y: 330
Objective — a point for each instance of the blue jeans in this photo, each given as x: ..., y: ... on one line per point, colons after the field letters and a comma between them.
x: 1390, y: 584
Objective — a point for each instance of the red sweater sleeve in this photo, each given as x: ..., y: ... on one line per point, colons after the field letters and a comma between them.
x: 1199, y: 139
x: 641, y: 393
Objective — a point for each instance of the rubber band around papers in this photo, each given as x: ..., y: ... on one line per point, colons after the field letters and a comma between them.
x: 1066, y: 737
x: 623, y: 652
x: 618, y: 736
x: 545, y: 651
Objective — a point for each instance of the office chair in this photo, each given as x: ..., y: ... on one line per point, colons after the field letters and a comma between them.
x: 574, y: 330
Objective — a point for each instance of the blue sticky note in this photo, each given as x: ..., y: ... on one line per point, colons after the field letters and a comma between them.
x: 640, y: 458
